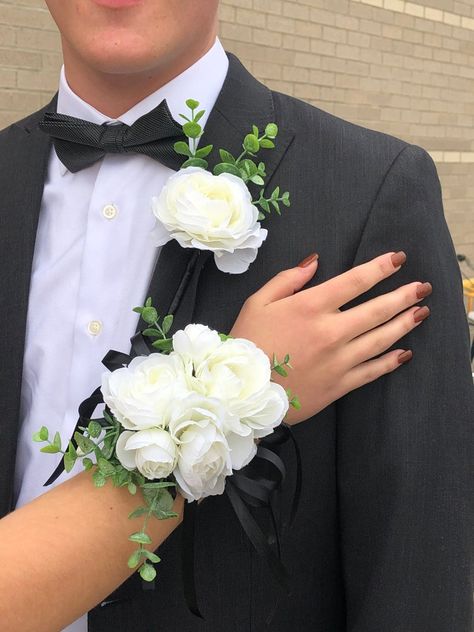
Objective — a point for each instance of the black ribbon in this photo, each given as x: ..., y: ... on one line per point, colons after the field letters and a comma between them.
x: 256, y: 485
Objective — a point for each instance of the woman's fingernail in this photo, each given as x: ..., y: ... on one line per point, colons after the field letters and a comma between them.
x: 424, y: 290
x: 405, y: 357
x: 421, y: 314
x: 398, y: 259
x: 308, y: 261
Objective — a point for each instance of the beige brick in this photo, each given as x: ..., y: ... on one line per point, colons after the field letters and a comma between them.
x: 414, y: 9
x: 394, y: 5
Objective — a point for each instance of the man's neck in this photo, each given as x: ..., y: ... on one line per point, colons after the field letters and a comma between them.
x: 114, y: 94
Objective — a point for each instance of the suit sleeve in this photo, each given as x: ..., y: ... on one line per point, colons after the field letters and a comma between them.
x: 405, y: 443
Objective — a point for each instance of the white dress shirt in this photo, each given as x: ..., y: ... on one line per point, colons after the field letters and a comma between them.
x: 93, y: 262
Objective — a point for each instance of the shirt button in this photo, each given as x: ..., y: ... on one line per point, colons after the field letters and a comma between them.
x: 109, y: 211
x: 94, y: 327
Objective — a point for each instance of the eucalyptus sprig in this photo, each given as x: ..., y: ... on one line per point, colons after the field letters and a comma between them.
x: 193, y: 131
x: 98, y: 439
x: 244, y: 166
x: 156, y: 331
x: 282, y: 369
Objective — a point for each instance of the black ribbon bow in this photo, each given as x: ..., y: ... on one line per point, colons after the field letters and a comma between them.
x: 258, y: 484
x: 80, y: 144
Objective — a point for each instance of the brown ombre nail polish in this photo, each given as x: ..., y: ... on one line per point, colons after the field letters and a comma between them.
x: 308, y: 261
x: 424, y: 290
x: 398, y: 259
x: 405, y: 357
x: 421, y: 314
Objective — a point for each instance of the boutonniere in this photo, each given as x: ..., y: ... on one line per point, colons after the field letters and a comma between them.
x: 215, y: 210
x: 188, y: 415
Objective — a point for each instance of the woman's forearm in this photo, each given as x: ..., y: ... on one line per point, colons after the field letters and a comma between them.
x: 59, y: 558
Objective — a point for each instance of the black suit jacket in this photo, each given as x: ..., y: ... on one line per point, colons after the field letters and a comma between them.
x: 383, y: 541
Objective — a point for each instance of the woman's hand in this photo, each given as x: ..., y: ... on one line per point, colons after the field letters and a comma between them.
x: 332, y: 352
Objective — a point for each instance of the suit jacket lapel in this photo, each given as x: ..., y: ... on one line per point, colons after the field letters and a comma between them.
x: 24, y: 159
x: 242, y: 102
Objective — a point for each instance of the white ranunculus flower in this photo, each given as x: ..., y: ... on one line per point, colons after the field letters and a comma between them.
x: 197, y: 407
x: 196, y: 343
x: 141, y: 395
x: 235, y: 370
x: 264, y: 411
x: 204, y: 455
x: 153, y: 452
x: 208, y: 212
x: 239, y: 373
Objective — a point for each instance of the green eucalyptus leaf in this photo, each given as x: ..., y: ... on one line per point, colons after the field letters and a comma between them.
x: 199, y: 115
x: 195, y: 162
x: 261, y: 216
x: 251, y: 143
x: 138, y: 310
x: 271, y: 130
x: 153, y: 557
x: 151, y: 331
x: 226, y: 167
x: 287, y: 358
x: 255, y: 131
x: 276, y: 193
x: 167, y: 323
x: 50, y: 449
x: 94, y: 429
x: 132, y: 488
x: 164, y: 501
x: 192, y: 130
x: 164, y: 515
x: 276, y: 206
x: 285, y: 198
x: 98, y: 479
x: 69, y: 462
x: 87, y: 463
x: 249, y: 166
x: 256, y: 179
x: 41, y: 435
x: 202, y: 152
x: 147, y: 572
x: 140, y: 511
x: 182, y: 148
x: 295, y: 403
x: 150, y: 315
x: 105, y: 467
x: 140, y: 537
x: 280, y: 370
x: 165, y: 345
x: 226, y: 156
x: 192, y: 104
x: 135, y: 558
x: 148, y: 302
x: 266, y: 143
x: 264, y: 204
x: 84, y: 443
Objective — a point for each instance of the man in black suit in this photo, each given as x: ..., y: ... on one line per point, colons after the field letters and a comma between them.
x: 383, y: 540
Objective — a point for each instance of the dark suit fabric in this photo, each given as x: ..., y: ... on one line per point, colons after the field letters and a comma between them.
x: 383, y: 540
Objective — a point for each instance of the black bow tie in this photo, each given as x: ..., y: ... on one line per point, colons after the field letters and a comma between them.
x: 79, y: 144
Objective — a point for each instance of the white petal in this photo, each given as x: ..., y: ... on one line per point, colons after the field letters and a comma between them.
x: 125, y: 456
x: 242, y: 449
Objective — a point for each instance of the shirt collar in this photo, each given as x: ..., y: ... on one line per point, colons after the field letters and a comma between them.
x: 201, y: 81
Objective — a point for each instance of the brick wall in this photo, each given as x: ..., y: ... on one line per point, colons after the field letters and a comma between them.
x: 406, y: 68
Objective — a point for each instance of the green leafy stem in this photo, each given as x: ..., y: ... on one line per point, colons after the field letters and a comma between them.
x: 99, y: 439
x: 244, y: 166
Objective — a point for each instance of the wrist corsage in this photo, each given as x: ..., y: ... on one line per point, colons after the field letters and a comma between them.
x: 187, y: 415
